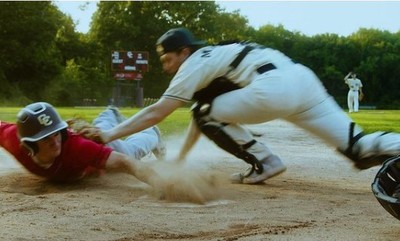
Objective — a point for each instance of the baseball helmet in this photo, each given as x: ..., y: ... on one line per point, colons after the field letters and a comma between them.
x: 386, y: 186
x: 175, y: 39
x: 37, y: 121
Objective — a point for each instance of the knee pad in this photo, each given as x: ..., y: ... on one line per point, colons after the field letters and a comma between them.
x: 214, y: 130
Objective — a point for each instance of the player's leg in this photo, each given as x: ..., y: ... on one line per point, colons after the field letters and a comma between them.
x: 139, y: 144
x: 256, y: 103
x: 350, y: 101
x: 329, y: 122
x: 238, y: 141
x: 106, y: 119
x: 355, y: 101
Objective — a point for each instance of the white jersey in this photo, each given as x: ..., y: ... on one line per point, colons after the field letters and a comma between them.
x: 354, y: 84
x: 211, y: 62
x: 290, y: 91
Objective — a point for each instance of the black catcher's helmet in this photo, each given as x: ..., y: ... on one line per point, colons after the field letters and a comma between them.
x: 175, y: 39
x: 37, y: 121
x: 386, y: 186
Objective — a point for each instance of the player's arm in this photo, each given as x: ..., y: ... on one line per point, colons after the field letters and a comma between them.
x: 192, y: 136
x: 118, y: 162
x: 347, y: 76
x: 144, y: 119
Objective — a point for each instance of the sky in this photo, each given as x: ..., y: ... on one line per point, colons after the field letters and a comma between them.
x: 307, y: 17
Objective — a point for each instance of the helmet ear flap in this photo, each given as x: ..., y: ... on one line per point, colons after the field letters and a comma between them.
x: 32, y: 147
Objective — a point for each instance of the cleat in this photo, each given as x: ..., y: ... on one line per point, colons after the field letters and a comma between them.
x: 161, y: 150
x: 272, y: 166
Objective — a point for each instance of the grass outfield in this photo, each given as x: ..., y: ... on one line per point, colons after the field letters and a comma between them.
x: 370, y: 120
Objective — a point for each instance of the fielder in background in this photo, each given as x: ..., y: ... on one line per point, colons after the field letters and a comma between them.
x: 42, y: 142
x: 355, y: 93
x: 235, y: 83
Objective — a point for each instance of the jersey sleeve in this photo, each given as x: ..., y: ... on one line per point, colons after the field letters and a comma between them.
x: 197, y: 72
x: 86, y: 153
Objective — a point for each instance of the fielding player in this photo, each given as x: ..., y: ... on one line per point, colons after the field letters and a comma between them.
x: 355, y: 91
x: 246, y: 83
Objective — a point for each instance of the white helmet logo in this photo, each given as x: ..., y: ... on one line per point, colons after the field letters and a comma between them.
x: 45, y: 120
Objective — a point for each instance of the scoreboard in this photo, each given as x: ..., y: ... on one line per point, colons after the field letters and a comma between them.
x: 129, y: 64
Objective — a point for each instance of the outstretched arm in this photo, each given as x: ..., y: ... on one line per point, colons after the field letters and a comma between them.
x: 347, y: 76
x: 144, y: 119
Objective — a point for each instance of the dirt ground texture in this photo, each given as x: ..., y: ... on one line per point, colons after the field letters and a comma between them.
x: 320, y: 197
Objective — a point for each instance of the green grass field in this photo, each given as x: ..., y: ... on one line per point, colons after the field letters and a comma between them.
x: 175, y: 123
x: 370, y: 120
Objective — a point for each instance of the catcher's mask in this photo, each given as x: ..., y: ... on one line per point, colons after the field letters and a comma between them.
x: 386, y: 186
x: 37, y: 121
x: 175, y: 39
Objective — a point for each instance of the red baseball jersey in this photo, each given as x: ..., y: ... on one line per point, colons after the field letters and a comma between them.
x: 79, y: 157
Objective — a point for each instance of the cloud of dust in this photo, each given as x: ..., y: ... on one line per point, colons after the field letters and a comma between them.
x: 190, y: 181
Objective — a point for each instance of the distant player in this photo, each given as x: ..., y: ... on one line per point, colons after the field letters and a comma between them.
x: 355, y: 91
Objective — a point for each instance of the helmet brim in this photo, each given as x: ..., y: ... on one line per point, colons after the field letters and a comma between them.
x: 43, y: 134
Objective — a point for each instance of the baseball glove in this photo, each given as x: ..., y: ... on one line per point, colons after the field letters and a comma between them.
x: 360, y: 96
x: 85, y: 129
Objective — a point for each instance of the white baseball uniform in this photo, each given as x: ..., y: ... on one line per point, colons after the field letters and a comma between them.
x: 137, y: 145
x: 353, y: 94
x: 291, y: 92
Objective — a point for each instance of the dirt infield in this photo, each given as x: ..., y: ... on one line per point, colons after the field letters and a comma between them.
x: 320, y: 197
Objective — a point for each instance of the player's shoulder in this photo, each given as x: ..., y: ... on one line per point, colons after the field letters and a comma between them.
x: 6, y: 126
x: 75, y: 139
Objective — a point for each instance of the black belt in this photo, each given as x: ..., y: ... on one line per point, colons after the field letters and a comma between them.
x: 265, y: 68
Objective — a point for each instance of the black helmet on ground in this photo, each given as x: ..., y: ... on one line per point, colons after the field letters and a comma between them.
x: 386, y: 186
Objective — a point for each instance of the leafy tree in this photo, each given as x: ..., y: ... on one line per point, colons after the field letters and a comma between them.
x: 29, y: 55
x: 137, y: 26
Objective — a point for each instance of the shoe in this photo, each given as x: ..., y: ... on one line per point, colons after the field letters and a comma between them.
x: 272, y: 166
x: 161, y: 150
x: 120, y: 118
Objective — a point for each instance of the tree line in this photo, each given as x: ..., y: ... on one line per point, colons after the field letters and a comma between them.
x: 43, y: 57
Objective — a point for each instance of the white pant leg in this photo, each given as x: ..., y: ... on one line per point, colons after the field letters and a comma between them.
x: 275, y: 94
x: 327, y: 121
x: 137, y: 145
x: 352, y: 100
x: 105, y: 120
x: 356, y: 103
x: 295, y: 94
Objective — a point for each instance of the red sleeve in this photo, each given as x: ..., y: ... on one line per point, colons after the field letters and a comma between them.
x: 80, y: 157
x: 9, y: 140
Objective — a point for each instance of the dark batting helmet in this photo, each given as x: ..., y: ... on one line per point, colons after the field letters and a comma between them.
x: 175, y: 39
x: 37, y: 121
x: 386, y: 186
